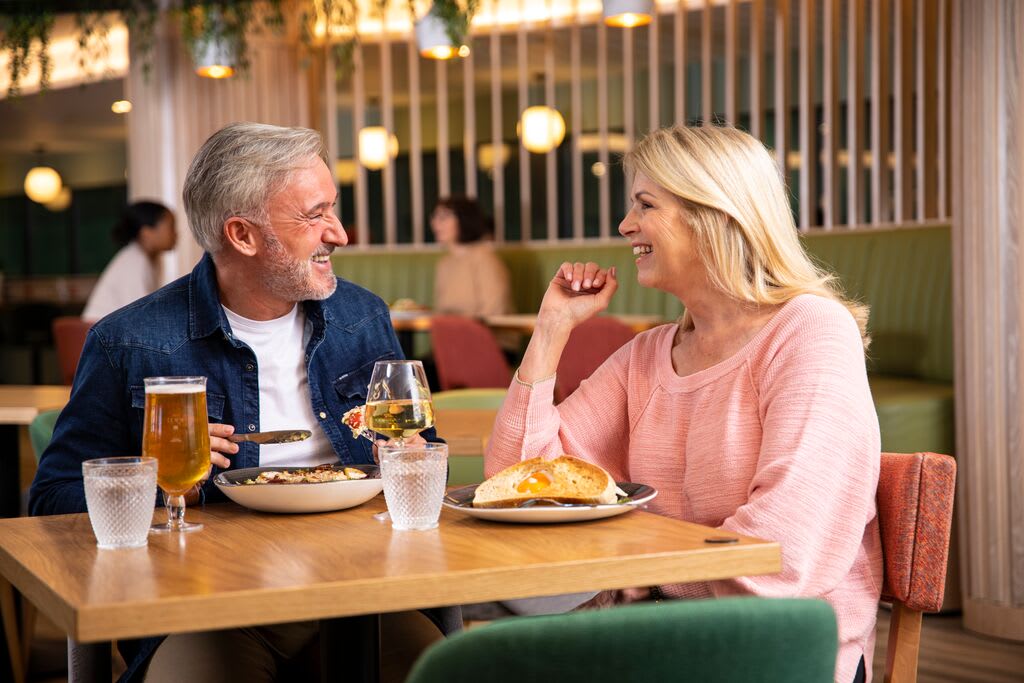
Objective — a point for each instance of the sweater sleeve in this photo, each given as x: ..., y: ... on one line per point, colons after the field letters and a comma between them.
x: 813, y: 490
x: 591, y: 424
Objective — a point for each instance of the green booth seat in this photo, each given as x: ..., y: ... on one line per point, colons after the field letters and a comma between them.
x: 732, y: 640
x: 40, y: 431
x: 467, y: 469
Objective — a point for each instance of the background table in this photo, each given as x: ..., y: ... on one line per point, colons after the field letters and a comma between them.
x: 323, y: 566
x: 19, y: 405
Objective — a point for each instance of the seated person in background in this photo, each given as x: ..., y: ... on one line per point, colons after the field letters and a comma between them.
x: 470, y: 279
x: 145, y: 231
x: 283, y: 344
x: 752, y: 414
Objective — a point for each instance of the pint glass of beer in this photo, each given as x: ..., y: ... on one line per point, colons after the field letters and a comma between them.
x: 176, y: 433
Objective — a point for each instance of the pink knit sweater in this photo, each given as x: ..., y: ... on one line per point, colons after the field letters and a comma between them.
x: 779, y: 442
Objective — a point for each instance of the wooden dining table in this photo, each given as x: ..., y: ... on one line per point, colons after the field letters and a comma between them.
x: 19, y: 405
x: 344, y: 568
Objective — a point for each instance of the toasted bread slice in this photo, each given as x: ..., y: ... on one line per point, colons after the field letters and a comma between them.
x: 565, y: 479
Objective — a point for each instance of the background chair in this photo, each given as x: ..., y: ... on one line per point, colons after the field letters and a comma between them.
x: 69, y: 337
x: 713, y: 641
x: 468, y: 468
x: 915, y: 513
x: 588, y: 346
x: 466, y: 354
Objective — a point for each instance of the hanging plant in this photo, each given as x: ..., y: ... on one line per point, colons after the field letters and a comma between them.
x: 25, y: 37
x: 456, y: 17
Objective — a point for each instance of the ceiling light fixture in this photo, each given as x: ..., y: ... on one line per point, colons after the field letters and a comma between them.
x: 42, y: 183
x: 541, y: 129
x: 433, y: 40
x: 121, y: 107
x: 627, y: 13
x: 62, y: 201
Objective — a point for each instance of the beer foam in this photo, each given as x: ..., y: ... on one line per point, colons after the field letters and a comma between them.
x: 175, y: 389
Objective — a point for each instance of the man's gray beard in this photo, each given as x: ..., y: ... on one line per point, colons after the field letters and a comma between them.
x: 290, y: 278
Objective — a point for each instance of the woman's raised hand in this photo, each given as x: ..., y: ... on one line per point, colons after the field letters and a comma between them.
x: 577, y: 292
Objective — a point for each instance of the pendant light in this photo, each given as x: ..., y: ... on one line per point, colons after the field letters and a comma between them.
x: 541, y: 129
x: 377, y: 147
x: 627, y: 13
x: 42, y: 183
x: 433, y: 40
x: 215, y: 54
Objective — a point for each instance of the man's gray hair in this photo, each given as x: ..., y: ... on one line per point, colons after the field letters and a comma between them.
x: 237, y: 170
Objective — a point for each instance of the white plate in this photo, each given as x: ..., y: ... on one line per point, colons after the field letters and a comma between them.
x: 461, y: 499
x: 315, y: 497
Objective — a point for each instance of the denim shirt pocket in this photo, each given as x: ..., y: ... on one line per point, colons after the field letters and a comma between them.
x: 214, y: 402
x: 352, y: 387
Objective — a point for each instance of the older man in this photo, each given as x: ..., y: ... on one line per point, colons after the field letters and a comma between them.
x: 283, y: 344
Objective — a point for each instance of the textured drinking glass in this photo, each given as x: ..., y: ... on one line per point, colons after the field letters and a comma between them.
x: 120, y: 494
x: 176, y: 433
x: 414, y: 479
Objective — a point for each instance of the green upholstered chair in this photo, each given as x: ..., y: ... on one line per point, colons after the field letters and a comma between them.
x: 467, y: 469
x: 712, y: 641
x: 40, y: 431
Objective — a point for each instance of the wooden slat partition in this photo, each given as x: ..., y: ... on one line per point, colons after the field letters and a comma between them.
x: 893, y: 95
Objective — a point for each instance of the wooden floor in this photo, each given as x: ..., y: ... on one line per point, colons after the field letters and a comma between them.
x: 948, y: 654
x: 951, y: 654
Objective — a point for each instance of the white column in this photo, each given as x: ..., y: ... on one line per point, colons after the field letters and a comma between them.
x: 988, y: 280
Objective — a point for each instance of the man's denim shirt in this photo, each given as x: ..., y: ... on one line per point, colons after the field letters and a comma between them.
x: 182, y: 330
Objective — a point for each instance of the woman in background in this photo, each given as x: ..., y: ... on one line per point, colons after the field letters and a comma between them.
x: 752, y: 414
x: 470, y: 279
x: 146, y: 230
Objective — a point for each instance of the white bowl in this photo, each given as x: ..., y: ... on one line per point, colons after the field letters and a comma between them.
x: 315, y: 497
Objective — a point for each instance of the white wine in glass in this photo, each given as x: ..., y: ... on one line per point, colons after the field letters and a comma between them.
x: 398, y: 403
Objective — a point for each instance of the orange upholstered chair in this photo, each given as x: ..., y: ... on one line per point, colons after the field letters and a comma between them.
x: 588, y: 346
x: 467, y: 355
x: 915, y: 514
x: 69, y: 338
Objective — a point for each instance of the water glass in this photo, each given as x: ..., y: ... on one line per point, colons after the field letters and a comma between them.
x: 120, y: 494
x: 414, y: 480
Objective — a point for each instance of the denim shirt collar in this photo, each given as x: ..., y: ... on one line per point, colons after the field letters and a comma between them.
x: 206, y: 315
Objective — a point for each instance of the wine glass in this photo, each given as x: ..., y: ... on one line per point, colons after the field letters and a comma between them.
x: 398, y: 403
x: 176, y: 433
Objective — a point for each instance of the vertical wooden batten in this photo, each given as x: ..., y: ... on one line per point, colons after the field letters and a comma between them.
x: 653, y: 73
x: 880, y: 175
x: 731, y: 84
x: 679, y: 67
x: 358, y: 122
x: 756, y: 70
x: 525, y: 203
x: 830, y: 106
x: 444, y: 175
x: 706, y: 72
x: 550, y: 158
x: 808, y: 128
x: 781, y: 82
x: 926, y: 142
x: 854, y: 114
x: 469, y: 124
x: 988, y: 278
x: 577, y: 124
x: 388, y: 119
x: 498, y: 172
x: 603, y: 185
x: 903, y: 119
x: 415, y: 142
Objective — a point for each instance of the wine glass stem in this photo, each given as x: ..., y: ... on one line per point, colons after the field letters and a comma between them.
x: 175, y: 511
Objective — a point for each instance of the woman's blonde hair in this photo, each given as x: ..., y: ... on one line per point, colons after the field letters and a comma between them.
x: 735, y: 203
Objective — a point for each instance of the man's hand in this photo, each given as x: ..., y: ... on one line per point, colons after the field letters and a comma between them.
x: 220, y: 448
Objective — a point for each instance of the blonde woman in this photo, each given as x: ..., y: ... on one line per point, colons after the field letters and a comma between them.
x: 752, y: 413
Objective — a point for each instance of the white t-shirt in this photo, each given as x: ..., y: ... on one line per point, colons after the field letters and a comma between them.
x: 130, y: 275
x: 285, y: 402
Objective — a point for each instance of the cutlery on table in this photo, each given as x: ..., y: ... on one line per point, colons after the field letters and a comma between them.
x: 280, y: 436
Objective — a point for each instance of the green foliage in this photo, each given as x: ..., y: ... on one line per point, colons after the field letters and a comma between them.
x: 25, y: 37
